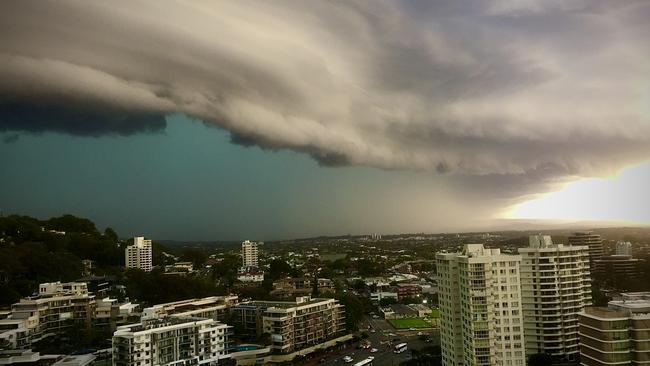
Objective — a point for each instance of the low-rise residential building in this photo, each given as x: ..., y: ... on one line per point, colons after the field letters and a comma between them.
x: 51, y: 313
x: 293, y: 325
x: 14, y: 333
x: 325, y: 285
x: 380, y: 295
x: 213, y: 307
x: 421, y: 309
x: 26, y: 357
x: 57, y: 308
x: 250, y: 274
x: 179, y: 267
x: 398, y: 311
x: 618, y: 334
x: 292, y: 287
x: 109, y: 314
x: 171, y: 341
x: 405, y: 290
x: 58, y: 288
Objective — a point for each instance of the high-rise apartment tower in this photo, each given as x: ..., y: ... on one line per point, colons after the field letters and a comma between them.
x: 249, y: 254
x: 480, y: 307
x: 593, y: 241
x: 555, y: 287
x: 138, y: 255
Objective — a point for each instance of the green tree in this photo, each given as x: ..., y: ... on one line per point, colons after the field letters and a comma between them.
x: 110, y: 234
x: 410, y: 300
x: 225, y: 272
x: 198, y: 257
x: 354, y: 310
x: 358, y: 285
x: 387, y: 301
x: 70, y: 223
x: 279, y: 268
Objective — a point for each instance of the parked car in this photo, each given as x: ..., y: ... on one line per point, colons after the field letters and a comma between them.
x: 374, y: 350
x: 347, y: 359
x: 371, y: 358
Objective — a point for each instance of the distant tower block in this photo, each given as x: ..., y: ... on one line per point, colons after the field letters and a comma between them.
x: 249, y: 254
x: 593, y: 241
x: 139, y: 254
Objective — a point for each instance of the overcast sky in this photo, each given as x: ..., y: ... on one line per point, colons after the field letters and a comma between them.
x: 203, y: 119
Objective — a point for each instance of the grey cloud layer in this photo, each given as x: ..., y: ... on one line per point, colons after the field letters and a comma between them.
x: 470, y: 87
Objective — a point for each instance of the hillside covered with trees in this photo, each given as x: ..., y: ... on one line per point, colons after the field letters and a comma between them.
x: 33, y: 251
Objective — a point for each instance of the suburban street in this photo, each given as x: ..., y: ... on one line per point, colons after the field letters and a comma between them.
x: 382, y: 340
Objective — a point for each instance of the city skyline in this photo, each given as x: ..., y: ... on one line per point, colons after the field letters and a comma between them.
x: 229, y: 121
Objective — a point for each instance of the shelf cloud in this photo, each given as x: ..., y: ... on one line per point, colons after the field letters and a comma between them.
x: 489, y: 88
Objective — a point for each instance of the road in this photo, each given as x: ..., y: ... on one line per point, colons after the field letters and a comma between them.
x: 382, y: 339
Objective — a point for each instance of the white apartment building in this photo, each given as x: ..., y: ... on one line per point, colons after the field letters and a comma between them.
x: 480, y: 308
x: 171, y: 341
x: 58, y: 307
x: 249, y: 254
x: 139, y: 255
x: 555, y: 287
x: 53, y: 288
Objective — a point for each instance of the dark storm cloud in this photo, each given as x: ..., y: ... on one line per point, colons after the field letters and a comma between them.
x: 75, y: 120
x: 474, y: 88
x: 11, y: 138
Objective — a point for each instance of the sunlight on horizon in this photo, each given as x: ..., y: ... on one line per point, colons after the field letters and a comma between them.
x: 621, y: 198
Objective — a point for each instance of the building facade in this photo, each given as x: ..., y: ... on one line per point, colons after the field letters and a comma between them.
x: 480, y: 307
x: 171, y: 341
x: 614, y: 269
x: 249, y: 254
x: 555, y: 287
x: 618, y: 334
x: 406, y: 290
x: 57, y: 307
x: 292, y: 287
x: 293, y: 325
x: 593, y: 241
x: 110, y: 313
x: 139, y: 254
x: 623, y: 248
x: 213, y: 307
